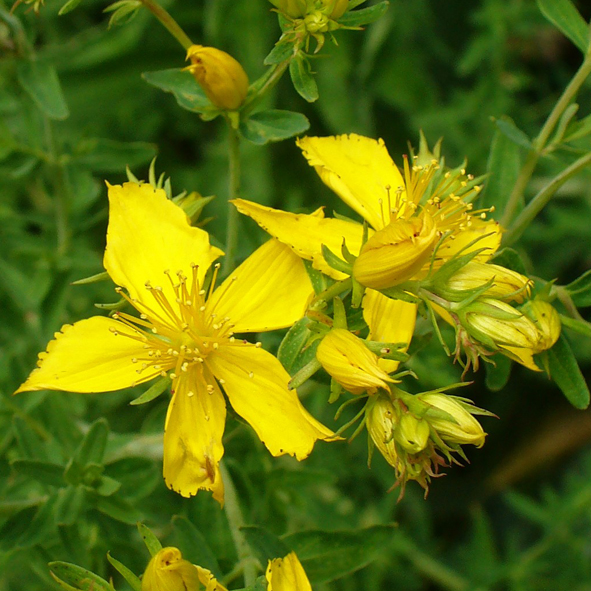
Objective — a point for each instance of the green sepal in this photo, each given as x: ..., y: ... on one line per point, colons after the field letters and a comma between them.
x: 565, y: 371
x: 335, y: 262
x: 273, y: 126
x: 305, y: 373
x: 92, y: 279
x: 320, y: 281
x: 70, y: 576
x: 132, y: 579
x: 335, y: 391
x: 293, y: 343
x: 152, y: 542
x: 114, y: 306
x: 155, y: 390
x: 303, y: 81
x: 364, y: 16
x: 388, y: 350
x: 398, y: 293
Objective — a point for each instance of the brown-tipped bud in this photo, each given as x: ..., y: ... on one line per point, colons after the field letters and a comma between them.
x: 396, y: 253
x: 222, y: 78
x: 351, y: 363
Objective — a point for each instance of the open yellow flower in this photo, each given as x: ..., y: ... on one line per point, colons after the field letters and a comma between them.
x: 187, y: 333
x: 405, y: 223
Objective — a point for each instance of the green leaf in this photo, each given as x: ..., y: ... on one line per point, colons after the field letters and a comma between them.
x: 273, y: 126
x: 184, y: 87
x: 506, y: 126
x: 107, y: 486
x: 581, y: 326
x: 195, y: 547
x: 118, y: 509
x: 580, y: 290
x: 92, y: 448
x: 279, y: 53
x: 358, y: 18
x: 152, y: 542
x: 265, y: 543
x: 40, y: 81
x: 565, y: 17
x: 70, y: 502
x: 44, y: 472
x: 78, y: 577
x: 152, y: 392
x: 327, y: 556
x: 293, y: 343
x: 319, y: 280
x: 511, y: 259
x: 303, y: 81
x: 7, y: 141
x: 564, y: 370
x: 30, y: 444
x: 15, y: 527
x: 503, y: 167
x: 103, y: 155
x: 41, y: 527
x: 497, y: 375
x: 133, y: 580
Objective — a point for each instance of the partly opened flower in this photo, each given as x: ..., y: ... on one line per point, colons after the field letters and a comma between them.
x: 187, y: 333
x: 287, y: 574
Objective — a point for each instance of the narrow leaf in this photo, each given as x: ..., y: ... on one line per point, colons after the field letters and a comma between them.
x: 580, y: 290
x: 78, y: 577
x: 565, y: 17
x: 152, y: 392
x: 42, y: 84
x: 92, y: 448
x: 195, y: 547
x: 303, y: 81
x: 182, y: 85
x: 358, y: 18
x: 152, y: 542
x: 133, y: 580
x: 44, y: 472
x: 511, y: 131
x: 293, y: 343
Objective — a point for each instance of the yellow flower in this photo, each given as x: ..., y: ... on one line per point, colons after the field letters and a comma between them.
x: 412, y: 433
x: 351, y: 363
x: 222, y: 78
x: 168, y: 571
x: 287, y: 574
x: 187, y: 333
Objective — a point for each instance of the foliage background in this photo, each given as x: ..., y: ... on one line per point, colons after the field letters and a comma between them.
x: 519, y: 517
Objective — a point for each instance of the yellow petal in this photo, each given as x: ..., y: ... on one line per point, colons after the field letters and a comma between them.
x: 89, y: 356
x: 169, y: 571
x: 269, y: 290
x: 256, y: 385
x: 193, y: 435
x: 305, y: 234
x: 147, y: 235
x: 389, y: 321
x: 359, y: 170
x: 287, y: 574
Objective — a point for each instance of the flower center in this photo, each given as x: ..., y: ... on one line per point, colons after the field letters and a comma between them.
x: 176, y: 328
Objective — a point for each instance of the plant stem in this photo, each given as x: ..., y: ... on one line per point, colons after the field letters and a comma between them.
x: 541, y: 200
x: 232, y: 227
x: 539, y: 142
x: 168, y: 22
x: 271, y: 78
x: 331, y: 292
x: 236, y: 521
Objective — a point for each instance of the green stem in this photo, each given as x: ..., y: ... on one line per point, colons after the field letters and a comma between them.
x: 539, y: 142
x: 331, y: 292
x: 236, y: 521
x: 541, y: 200
x: 168, y: 22
x: 232, y: 227
x: 431, y: 568
x: 271, y: 78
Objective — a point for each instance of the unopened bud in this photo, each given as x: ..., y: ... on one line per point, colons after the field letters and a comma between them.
x: 506, y: 284
x: 412, y: 433
x: 381, y: 421
x: 291, y: 8
x: 547, y: 322
x: 396, y: 253
x: 222, y: 78
x: 461, y: 427
x: 336, y: 8
x: 351, y: 363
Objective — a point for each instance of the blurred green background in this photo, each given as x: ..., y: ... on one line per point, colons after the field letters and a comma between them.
x: 518, y: 517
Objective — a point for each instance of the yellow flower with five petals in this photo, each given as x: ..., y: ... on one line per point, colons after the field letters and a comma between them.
x: 187, y: 333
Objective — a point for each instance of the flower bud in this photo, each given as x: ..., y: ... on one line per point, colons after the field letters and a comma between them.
x: 287, y: 574
x: 461, y: 427
x: 381, y: 421
x: 412, y: 433
x: 506, y: 284
x: 547, y: 322
x: 497, y: 324
x: 351, y: 363
x: 396, y: 253
x: 291, y: 8
x: 168, y: 571
x: 222, y: 78
x: 336, y: 8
